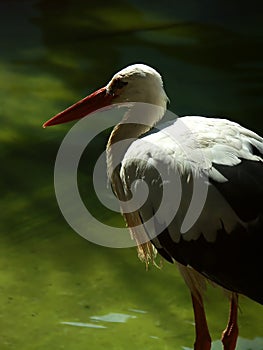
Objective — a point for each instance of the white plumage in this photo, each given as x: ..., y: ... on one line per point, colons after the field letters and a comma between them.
x: 200, y: 143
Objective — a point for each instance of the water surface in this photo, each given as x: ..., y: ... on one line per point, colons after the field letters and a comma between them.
x: 57, y: 290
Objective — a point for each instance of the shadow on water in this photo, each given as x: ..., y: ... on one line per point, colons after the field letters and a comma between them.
x: 57, y: 52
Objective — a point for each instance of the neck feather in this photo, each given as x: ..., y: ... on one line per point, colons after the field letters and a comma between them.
x: 136, y: 122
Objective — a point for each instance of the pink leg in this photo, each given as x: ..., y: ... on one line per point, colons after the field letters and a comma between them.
x: 203, y: 339
x: 230, y: 334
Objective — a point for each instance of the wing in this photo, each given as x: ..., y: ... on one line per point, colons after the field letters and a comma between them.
x: 204, y: 207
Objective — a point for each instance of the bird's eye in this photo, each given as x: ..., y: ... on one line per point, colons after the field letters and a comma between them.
x: 120, y: 83
x: 116, y: 85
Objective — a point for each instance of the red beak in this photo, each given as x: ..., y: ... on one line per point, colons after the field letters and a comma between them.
x: 87, y: 105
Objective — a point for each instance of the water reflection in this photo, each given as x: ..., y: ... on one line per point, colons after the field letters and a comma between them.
x: 82, y: 324
x: 113, y: 317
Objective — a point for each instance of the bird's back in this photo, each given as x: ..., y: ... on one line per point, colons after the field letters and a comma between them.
x: 205, y: 202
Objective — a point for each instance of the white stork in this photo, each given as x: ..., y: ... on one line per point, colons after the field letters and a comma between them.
x: 225, y: 243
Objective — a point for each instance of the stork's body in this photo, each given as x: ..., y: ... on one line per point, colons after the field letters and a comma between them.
x: 224, y: 243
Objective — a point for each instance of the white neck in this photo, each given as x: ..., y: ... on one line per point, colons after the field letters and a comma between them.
x: 139, y: 119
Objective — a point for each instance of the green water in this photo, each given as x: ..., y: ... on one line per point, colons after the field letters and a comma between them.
x: 57, y: 290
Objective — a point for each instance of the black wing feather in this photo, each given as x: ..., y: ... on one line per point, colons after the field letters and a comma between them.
x: 244, y: 188
x: 234, y: 260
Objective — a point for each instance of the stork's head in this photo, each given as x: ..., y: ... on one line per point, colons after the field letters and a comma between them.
x: 135, y: 83
x: 138, y: 83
